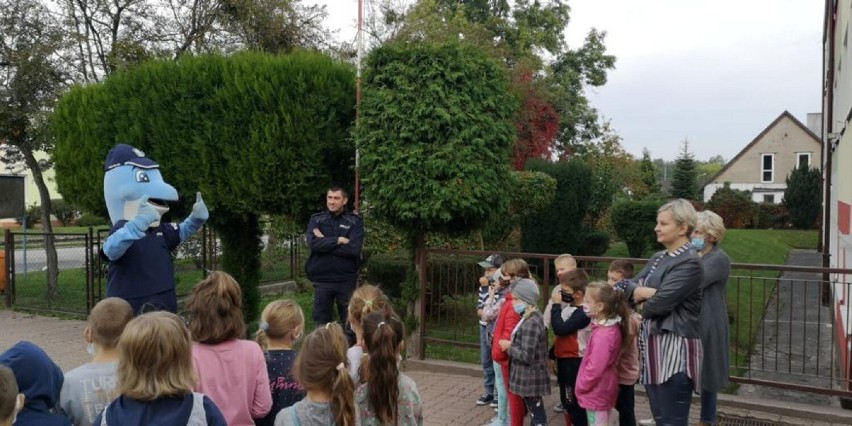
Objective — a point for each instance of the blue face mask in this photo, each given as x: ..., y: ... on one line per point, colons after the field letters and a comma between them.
x: 698, y: 243
x: 520, y: 308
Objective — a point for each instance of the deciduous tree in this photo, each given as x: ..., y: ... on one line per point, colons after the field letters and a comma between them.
x: 31, y: 80
x: 525, y: 35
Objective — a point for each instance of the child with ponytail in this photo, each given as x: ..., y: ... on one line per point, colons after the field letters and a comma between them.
x: 321, y: 370
x: 597, y: 383
x: 387, y: 396
x: 365, y: 300
x: 281, y: 325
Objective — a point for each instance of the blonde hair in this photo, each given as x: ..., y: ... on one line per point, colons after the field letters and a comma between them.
x: 215, y: 306
x: 683, y: 213
x: 108, y: 319
x: 322, y: 365
x: 155, y: 358
x: 566, y: 258
x: 279, y: 318
x: 711, y: 224
x: 366, y: 300
x: 515, y: 268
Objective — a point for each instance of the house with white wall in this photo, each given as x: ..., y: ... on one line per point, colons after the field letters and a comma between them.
x: 837, y: 168
x: 31, y: 194
x: 763, y: 165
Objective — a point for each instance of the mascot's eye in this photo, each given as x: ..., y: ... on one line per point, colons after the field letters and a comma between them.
x: 142, y: 176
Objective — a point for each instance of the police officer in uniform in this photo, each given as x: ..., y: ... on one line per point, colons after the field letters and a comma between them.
x: 335, y: 237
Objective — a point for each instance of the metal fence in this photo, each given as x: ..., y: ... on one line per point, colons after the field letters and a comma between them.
x: 784, y: 325
x: 82, y: 273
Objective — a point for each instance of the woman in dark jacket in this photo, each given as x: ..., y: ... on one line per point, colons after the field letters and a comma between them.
x: 669, y: 289
x: 709, y: 231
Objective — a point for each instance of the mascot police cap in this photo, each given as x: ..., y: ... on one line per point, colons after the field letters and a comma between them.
x: 125, y: 154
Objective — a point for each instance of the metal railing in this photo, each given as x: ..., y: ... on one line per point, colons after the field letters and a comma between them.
x: 785, y: 324
x: 82, y: 272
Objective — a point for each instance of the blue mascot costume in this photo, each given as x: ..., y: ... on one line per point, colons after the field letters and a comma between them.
x: 139, y: 247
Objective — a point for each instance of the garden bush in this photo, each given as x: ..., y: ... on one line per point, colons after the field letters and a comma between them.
x: 595, y: 243
x: 634, y: 223
x: 772, y: 216
x: 734, y: 206
x: 32, y: 216
x: 89, y: 219
x: 558, y: 227
x: 65, y: 212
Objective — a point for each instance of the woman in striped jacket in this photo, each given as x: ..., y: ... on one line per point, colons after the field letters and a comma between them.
x: 669, y: 289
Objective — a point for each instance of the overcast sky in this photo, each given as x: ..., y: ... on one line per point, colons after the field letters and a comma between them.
x: 715, y: 72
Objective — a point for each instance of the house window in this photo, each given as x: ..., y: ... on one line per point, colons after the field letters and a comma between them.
x: 769, y: 198
x: 767, y: 163
x: 803, y: 159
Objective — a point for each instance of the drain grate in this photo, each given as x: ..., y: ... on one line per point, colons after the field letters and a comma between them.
x: 728, y: 420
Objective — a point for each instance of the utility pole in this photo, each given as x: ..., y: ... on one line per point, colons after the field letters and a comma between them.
x: 360, y: 42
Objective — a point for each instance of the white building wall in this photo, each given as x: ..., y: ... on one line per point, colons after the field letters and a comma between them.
x: 775, y: 189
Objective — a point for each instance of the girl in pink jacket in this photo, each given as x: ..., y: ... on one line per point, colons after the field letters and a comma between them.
x: 597, y: 383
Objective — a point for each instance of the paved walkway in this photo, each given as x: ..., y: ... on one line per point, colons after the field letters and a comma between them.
x: 448, y: 389
x: 795, y: 342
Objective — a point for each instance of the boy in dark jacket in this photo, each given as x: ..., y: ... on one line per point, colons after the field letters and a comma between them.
x: 571, y: 327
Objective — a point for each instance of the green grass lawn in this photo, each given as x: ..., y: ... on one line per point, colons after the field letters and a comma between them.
x: 31, y: 289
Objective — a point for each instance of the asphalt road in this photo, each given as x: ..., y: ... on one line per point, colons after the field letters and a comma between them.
x: 35, y: 259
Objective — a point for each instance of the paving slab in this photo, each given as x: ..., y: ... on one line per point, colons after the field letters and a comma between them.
x: 449, y: 390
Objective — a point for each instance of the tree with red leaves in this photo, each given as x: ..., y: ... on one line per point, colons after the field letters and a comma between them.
x: 536, y: 124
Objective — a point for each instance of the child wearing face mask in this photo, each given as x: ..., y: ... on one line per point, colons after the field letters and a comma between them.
x: 281, y: 325
x: 597, y: 383
x: 90, y: 387
x: 507, y: 319
x: 527, y: 350
x: 571, y: 327
x: 11, y: 402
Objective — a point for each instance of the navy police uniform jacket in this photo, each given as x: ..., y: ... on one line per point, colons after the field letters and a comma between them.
x: 145, y: 268
x: 330, y: 262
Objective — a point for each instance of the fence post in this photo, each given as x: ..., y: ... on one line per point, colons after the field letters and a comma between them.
x: 546, y: 297
x: 90, y: 270
x: 9, y: 267
x: 421, y: 303
x: 204, y: 265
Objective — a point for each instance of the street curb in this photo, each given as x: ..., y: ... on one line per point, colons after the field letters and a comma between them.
x: 782, y: 408
x: 443, y: 367
x: 789, y: 409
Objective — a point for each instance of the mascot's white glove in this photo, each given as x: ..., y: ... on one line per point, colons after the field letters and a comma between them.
x: 199, y: 209
x: 195, y: 220
x: 146, y: 216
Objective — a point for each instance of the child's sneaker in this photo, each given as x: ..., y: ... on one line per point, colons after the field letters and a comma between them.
x: 559, y: 408
x: 495, y: 422
x: 493, y: 403
x: 486, y: 398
